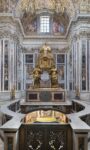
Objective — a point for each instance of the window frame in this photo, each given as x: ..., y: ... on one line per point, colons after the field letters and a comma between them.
x: 50, y: 23
x: 26, y: 58
x: 44, y: 24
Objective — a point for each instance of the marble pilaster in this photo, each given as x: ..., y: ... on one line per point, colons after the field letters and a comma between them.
x: 0, y: 65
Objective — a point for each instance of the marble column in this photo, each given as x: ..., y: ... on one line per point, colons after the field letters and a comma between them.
x: 89, y: 65
x: 3, y: 65
x: 12, y: 63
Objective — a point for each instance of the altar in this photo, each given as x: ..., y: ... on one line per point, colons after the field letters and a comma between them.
x: 45, y: 79
x: 46, y: 95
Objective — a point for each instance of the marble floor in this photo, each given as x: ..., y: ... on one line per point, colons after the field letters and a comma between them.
x: 2, y: 144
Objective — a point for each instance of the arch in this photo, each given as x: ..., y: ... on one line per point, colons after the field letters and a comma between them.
x: 56, y: 5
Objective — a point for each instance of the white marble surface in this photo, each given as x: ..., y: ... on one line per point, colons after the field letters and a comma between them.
x: 15, y: 122
x: 76, y: 123
x: 67, y: 102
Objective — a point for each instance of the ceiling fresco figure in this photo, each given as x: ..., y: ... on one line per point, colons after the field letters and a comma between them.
x: 31, y: 6
x: 48, y: 4
x: 4, y: 5
x: 56, y: 5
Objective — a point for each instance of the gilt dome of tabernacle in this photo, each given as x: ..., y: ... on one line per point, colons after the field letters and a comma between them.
x: 45, y: 48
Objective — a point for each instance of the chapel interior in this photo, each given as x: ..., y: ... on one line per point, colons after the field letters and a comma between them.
x: 44, y: 74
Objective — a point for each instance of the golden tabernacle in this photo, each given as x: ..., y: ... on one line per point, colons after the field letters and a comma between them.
x: 45, y: 63
x: 45, y: 72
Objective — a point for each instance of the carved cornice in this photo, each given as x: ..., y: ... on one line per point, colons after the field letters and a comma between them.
x: 55, y: 50
x: 63, y: 50
x: 25, y: 50
x: 82, y: 21
x: 9, y: 22
x: 8, y: 34
x: 73, y: 23
x: 80, y: 34
x: 7, y: 18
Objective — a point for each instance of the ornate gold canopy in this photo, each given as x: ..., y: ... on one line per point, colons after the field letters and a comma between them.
x: 45, y: 63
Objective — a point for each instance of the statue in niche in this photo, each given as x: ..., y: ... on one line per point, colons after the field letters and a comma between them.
x: 54, y: 78
x: 37, y: 76
x: 61, y: 72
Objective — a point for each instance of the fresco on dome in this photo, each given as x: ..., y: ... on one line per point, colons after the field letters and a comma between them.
x: 7, y: 5
x: 60, y: 23
x: 58, y: 28
x: 40, y: 4
x: 29, y: 22
x: 4, y: 5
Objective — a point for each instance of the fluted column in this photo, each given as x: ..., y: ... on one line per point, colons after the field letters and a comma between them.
x: 89, y: 63
x: 0, y: 64
x: 11, y: 64
x: 3, y: 66
x: 8, y: 64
